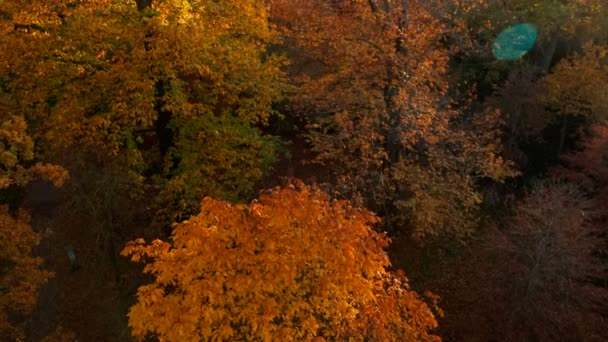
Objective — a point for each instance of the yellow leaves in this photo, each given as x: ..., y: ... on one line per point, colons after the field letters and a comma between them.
x: 16, y: 145
x: 576, y: 86
x: 95, y: 81
x: 16, y: 150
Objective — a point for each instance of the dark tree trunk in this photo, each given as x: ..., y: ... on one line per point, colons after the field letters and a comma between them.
x: 163, y: 132
x: 548, y: 54
x: 562, y: 136
x: 143, y: 4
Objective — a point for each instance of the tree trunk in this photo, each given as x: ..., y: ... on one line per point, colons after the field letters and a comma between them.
x: 562, y: 136
x: 143, y: 4
x: 548, y: 54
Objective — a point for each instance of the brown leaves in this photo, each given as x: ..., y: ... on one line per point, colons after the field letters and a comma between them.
x: 550, y: 244
x: 293, y: 265
x: 534, y: 275
x: 588, y: 168
x: 373, y: 80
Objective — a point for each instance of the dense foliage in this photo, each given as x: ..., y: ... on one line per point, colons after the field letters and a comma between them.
x: 117, y: 117
x: 380, y: 118
x: 291, y: 266
x: 20, y: 273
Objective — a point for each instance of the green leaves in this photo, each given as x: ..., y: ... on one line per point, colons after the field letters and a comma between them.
x: 220, y: 156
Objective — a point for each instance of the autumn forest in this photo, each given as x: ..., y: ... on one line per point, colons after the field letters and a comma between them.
x: 303, y: 170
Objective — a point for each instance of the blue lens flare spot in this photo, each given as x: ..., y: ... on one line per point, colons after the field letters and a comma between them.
x: 514, y: 42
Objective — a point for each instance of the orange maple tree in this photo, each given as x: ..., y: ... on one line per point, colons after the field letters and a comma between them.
x: 293, y: 265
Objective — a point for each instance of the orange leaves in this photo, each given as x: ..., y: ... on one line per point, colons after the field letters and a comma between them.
x: 17, y: 150
x: 55, y: 174
x: 293, y: 265
x: 20, y: 273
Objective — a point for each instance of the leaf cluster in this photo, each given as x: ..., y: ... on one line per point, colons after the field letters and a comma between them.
x: 293, y: 265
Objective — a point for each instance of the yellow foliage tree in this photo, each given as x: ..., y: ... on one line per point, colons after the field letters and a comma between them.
x: 102, y: 76
x: 293, y: 265
x: 576, y: 86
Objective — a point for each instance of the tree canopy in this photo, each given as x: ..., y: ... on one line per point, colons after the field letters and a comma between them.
x: 293, y: 265
x: 389, y: 120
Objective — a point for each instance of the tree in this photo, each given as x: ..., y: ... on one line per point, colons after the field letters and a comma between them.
x: 16, y: 148
x: 518, y: 99
x: 550, y: 242
x: 20, y: 273
x: 17, y: 160
x: 575, y: 88
x: 293, y: 265
x: 109, y: 74
x: 576, y: 85
x: 537, y: 276
x: 163, y: 96
x: 373, y: 83
x: 588, y: 168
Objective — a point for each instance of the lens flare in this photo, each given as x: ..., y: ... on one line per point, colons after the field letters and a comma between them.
x: 514, y: 42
